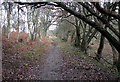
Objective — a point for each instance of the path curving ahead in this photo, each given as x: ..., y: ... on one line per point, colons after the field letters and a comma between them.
x: 51, y: 69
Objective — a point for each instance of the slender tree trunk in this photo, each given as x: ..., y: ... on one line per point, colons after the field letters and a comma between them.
x: 18, y: 25
x: 32, y: 36
x: 118, y: 63
x: 77, y: 39
x: 45, y: 32
x: 91, y: 37
x: 8, y: 18
x: 100, y: 49
x: 72, y: 35
x: 35, y: 36
x: 77, y: 31
x: 29, y: 34
x: 84, y: 44
x: 39, y: 35
x: 28, y: 37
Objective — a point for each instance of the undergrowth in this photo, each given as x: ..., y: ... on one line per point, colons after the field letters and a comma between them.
x: 18, y: 58
x: 85, y: 59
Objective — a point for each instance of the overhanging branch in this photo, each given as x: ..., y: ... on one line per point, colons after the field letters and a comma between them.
x: 93, y: 24
x: 102, y: 10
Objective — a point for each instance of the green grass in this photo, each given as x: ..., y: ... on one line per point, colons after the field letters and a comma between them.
x: 69, y: 48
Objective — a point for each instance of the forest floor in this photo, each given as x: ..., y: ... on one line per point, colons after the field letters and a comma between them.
x: 19, y: 60
x: 80, y: 66
x: 52, y: 60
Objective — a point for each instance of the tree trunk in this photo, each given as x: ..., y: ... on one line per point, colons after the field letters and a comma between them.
x: 72, y: 36
x: 35, y: 36
x: 84, y: 45
x: 114, y: 55
x: 91, y: 37
x: 28, y: 37
x: 118, y: 63
x: 8, y: 27
x: 100, y: 49
x: 29, y: 34
x: 39, y: 35
x: 32, y: 37
x: 45, y: 33
x: 18, y: 25
x: 77, y: 39
x: 4, y: 31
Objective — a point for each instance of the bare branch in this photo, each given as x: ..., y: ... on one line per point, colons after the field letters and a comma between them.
x: 109, y: 13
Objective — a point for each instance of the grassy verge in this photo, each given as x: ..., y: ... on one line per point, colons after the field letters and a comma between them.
x: 74, y: 55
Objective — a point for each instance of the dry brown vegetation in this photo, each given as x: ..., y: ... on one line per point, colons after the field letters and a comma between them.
x: 19, y: 58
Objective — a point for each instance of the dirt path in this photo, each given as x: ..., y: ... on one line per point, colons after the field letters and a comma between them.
x: 51, y: 69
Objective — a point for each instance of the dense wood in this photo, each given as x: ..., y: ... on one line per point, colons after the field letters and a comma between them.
x: 69, y: 36
x: 103, y: 20
x: 98, y: 27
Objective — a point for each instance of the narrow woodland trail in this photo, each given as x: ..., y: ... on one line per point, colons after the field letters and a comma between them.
x: 51, y: 69
x: 58, y: 66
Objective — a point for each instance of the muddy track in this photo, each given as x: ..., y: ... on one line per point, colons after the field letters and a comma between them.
x: 51, y: 69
